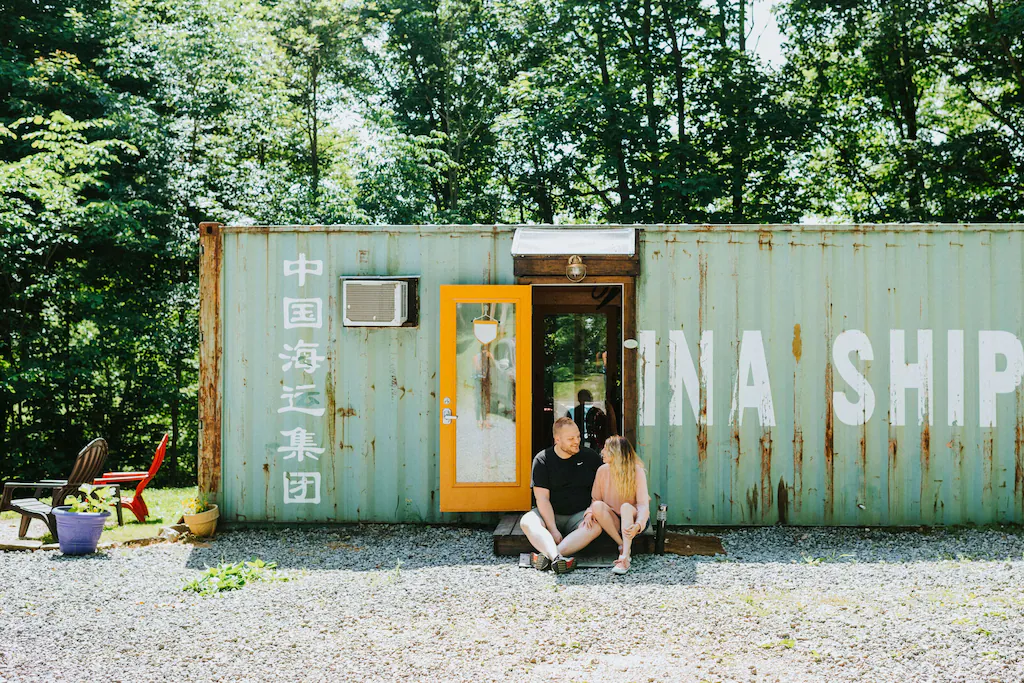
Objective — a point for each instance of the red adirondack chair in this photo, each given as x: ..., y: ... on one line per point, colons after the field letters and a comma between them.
x: 136, y: 504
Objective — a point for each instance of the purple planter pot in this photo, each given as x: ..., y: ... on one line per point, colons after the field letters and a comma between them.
x: 78, y: 533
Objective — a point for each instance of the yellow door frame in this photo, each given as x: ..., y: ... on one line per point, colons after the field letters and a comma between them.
x: 485, y: 496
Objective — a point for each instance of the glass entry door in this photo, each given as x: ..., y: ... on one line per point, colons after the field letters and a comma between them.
x: 484, y: 402
x: 577, y: 337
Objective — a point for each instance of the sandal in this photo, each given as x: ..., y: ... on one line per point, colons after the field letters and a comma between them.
x: 621, y: 565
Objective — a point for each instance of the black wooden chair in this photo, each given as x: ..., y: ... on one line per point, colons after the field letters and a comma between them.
x: 88, y: 465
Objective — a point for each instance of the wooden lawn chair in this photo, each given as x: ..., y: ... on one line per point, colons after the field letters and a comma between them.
x: 88, y: 464
x: 136, y: 504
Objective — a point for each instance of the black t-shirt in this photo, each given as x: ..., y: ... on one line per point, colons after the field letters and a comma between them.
x: 570, y: 480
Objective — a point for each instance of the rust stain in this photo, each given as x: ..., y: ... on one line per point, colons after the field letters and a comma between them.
x: 1018, y: 469
x: 894, y: 448
x: 766, y: 471
x: 764, y: 240
x: 752, y: 497
x: 783, y: 501
x: 863, y: 463
x: 702, y: 438
x: 344, y: 413
x: 798, y: 346
x: 798, y: 467
x: 989, y: 450
x: 926, y: 455
x: 702, y: 297
x: 829, y: 445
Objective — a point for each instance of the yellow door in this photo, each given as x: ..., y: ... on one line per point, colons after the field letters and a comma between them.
x: 485, y: 398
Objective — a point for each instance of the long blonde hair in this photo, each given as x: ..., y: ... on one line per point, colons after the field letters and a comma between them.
x: 623, y: 461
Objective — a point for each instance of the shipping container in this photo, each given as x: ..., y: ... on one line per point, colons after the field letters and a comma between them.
x: 795, y: 374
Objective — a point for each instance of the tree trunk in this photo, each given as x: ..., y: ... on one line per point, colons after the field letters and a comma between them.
x: 653, y: 150
x: 677, y: 67
x: 313, y: 120
x: 614, y: 135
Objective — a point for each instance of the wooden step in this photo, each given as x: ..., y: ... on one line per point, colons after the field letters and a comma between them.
x: 510, y: 541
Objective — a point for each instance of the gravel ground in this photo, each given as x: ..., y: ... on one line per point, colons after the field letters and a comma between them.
x: 786, y: 604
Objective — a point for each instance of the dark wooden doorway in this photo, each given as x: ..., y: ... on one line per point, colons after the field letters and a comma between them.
x: 577, y: 342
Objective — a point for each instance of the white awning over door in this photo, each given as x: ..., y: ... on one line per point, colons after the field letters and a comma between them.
x: 569, y: 241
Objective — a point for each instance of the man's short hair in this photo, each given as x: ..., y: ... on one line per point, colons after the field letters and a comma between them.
x: 562, y: 422
x: 585, y: 396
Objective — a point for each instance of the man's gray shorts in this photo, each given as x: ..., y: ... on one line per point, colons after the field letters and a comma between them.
x: 566, y: 523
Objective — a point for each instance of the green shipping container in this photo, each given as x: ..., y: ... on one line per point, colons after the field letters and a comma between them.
x: 814, y: 375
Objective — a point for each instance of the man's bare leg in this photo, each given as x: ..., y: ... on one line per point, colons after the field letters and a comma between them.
x: 538, y: 535
x: 578, y: 540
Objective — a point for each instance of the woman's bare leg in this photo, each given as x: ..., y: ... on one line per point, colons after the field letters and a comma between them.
x: 607, y: 519
x: 628, y: 514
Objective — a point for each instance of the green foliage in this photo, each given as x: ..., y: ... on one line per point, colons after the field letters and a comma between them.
x: 124, y: 123
x: 919, y: 107
x: 94, y: 499
x: 229, y: 577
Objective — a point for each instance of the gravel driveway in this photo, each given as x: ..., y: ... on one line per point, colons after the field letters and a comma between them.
x: 786, y: 604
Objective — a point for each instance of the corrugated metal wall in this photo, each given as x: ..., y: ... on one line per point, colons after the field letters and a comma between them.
x: 798, y: 307
x: 801, y: 458
x: 379, y: 430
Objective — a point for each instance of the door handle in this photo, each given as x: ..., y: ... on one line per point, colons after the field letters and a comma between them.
x: 447, y: 417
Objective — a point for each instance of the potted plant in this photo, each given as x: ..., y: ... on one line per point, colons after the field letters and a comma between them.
x: 201, y: 516
x: 80, y: 524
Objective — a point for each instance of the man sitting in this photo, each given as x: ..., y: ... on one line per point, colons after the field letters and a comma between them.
x: 563, y: 477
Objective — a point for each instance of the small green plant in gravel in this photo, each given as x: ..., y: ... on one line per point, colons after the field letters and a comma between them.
x: 229, y: 577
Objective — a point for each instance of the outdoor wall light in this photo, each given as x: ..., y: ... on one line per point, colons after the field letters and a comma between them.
x: 575, y: 270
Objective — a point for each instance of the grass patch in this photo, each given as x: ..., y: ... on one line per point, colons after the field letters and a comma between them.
x: 164, y: 509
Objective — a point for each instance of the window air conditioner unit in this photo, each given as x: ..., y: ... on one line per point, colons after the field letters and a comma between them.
x: 375, y: 303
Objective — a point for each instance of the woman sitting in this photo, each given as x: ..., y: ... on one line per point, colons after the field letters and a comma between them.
x: 621, y: 503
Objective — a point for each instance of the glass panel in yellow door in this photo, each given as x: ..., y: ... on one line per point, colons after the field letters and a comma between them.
x: 485, y: 398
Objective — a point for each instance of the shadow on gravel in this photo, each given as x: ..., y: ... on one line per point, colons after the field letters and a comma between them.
x: 385, y: 547
x: 55, y: 556
x: 374, y: 548
x: 652, y: 570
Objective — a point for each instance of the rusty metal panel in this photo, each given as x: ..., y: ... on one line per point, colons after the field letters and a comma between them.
x: 800, y: 308
x: 376, y: 386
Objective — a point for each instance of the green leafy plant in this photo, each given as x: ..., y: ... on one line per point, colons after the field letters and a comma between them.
x: 96, y: 499
x: 229, y: 577
x: 195, y: 505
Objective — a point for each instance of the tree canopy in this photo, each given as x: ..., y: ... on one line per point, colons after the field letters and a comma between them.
x: 124, y: 123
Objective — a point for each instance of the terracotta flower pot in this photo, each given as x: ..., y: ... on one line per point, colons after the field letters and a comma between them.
x: 203, y: 524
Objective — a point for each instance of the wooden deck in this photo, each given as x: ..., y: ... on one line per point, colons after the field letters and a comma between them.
x: 509, y: 540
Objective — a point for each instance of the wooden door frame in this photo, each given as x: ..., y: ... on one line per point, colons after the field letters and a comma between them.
x: 627, y: 357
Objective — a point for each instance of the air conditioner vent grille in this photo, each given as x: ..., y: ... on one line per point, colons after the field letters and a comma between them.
x: 380, y: 303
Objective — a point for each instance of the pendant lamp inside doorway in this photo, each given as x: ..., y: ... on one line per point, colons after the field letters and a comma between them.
x: 485, y: 329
